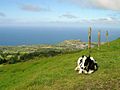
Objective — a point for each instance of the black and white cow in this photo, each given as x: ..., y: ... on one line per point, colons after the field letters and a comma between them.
x: 86, y: 65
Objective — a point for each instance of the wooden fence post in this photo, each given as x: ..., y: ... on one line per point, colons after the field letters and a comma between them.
x: 99, y: 38
x: 89, y: 38
x: 107, y: 39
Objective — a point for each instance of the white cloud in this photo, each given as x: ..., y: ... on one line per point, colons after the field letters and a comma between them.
x: 68, y: 15
x: 107, y: 4
x: 33, y: 8
x: 102, y: 21
x: 102, y: 4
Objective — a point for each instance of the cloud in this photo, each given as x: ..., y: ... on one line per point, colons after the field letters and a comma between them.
x: 68, y: 15
x: 2, y: 14
x: 107, y: 4
x: 104, y: 20
x: 33, y: 8
x: 107, y: 19
x: 101, y: 4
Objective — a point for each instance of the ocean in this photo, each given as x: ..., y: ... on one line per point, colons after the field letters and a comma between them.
x: 51, y: 35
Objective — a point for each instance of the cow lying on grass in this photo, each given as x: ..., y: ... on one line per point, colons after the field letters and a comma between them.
x: 86, y: 65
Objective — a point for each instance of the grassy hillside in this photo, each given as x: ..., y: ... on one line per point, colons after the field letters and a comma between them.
x: 57, y: 73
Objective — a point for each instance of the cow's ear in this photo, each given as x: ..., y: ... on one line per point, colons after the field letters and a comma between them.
x: 82, y: 56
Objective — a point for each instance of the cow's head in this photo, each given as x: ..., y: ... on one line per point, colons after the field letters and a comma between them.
x: 87, y: 62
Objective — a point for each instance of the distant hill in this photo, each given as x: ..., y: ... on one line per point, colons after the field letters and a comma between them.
x: 57, y: 73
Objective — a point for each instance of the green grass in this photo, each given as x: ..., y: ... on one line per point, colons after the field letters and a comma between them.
x: 57, y: 73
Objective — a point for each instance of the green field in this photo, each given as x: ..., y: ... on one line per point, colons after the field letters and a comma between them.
x: 57, y: 73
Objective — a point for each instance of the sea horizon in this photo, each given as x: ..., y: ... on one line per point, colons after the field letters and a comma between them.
x: 12, y: 36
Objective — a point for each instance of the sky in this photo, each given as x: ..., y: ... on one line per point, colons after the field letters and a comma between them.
x: 69, y: 13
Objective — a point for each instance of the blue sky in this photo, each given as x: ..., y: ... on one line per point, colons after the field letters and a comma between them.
x: 60, y: 13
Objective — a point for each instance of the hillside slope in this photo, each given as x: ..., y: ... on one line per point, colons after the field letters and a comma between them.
x: 57, y: 73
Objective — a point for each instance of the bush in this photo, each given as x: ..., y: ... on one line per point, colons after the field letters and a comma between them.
x: 11, y: 59
x: 1, y: 59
